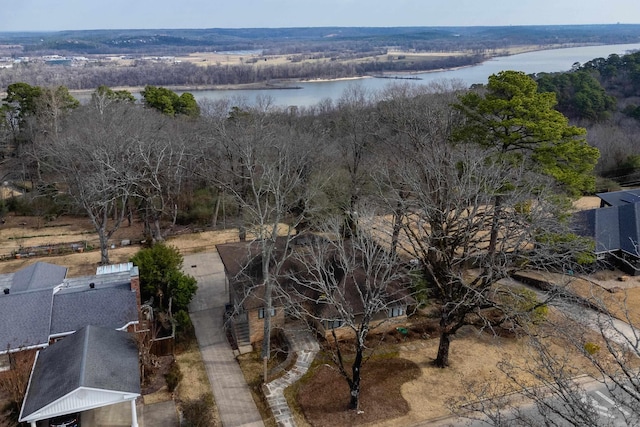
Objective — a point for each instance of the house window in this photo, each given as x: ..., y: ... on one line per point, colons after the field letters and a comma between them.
x: 5, y: 362
x: 396, y: 311
x: 333, y: 324
x: 261, y: 312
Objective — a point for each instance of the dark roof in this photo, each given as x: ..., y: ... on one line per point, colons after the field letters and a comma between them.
x: 613, y: 228
x: 30, y: 317
x: 235, y: 256
x: 93, y: 357
x: 620, y: 198
x: 25, y: 319
x: 246, y: 282
x: 111, y: 307
x: 40, y: 275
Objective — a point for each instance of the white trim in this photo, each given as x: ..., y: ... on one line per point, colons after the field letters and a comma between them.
x: 28, y: 385
x: 31, y: 347
x: 124, y: 328
x: 95, y: 397
x: 60, y: 335
x: 6, y: 364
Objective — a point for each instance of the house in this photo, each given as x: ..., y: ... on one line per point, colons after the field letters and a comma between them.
x: 91, y: 368
x: 39, y: 304
x: 615, y: 229
x: 243, y: 267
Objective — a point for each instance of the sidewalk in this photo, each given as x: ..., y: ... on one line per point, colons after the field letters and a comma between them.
x: 230, y: 390
x: 306, y: 347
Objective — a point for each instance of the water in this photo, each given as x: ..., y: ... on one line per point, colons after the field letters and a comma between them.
x: 311, y: 93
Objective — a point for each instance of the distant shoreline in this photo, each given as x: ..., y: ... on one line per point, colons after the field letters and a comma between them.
x: 293, y: 84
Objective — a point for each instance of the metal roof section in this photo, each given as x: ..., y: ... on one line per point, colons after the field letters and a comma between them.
x: 114, y: 268
x: 99, y: 281
x: 91, y: 368
x: 613, y: 227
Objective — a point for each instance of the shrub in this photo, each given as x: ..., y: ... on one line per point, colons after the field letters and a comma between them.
x: 524, y: 304
x: 173, y: 377
x: 591, y: 348
x: 198, y: 412
x: 184, y: 327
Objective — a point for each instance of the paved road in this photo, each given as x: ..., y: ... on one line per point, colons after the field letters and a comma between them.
x: 230, y: 391
x: 604, y: 410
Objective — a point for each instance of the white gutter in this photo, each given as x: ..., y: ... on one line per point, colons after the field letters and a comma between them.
x: 30, y: 347
x: 28, y: 388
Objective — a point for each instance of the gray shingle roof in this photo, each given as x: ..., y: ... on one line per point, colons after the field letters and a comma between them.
x: 620, y: 198
x: 40, y: 275
x: 93, y: 357
x: 613, y: 228
x: 25, y: 319
x: 112, y: 307
x: 32, y: 312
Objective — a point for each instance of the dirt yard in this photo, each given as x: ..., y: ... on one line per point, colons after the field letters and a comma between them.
x: 402, y: 387
x: 20, y: 234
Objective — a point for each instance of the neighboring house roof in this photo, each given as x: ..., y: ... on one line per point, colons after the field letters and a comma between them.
x: 31, y: 315
x: 619, y: 198
x: 40, y: 275
x: 91, y: 368
x: 613, y: 228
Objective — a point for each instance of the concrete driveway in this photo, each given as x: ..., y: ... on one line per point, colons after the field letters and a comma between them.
x: 162, y: 414
x: 230, y: 391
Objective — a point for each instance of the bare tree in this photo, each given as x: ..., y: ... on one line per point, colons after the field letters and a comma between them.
x: 443, y: 203
x: 353, y: 284
x: 161, y: 163
x: 354, y: 129
x: 95, y: 159
x: 268, y: 175
x: 14, y: 382
x: 581, y: 336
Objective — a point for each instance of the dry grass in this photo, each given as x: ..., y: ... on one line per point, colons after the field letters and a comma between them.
x: 19, y: 231
x: 252, y: 368
x: 613, y: 290
x: 412, y: 388
x: 426, y: 396
x: 195, y: 381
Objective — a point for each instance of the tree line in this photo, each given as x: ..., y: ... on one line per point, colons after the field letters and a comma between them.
x: 187, y: 74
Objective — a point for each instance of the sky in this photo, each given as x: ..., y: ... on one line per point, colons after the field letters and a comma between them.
x: 54, y: 15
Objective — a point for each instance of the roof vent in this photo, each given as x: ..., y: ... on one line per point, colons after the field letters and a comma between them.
x: 6, y: 291
x: 92, y: 285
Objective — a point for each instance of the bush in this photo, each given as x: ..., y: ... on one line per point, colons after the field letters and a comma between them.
x: 591, y: 348
x: 198, y: 412
x: 161, y: 277
x: 184, y: 327
x: 173, y: 377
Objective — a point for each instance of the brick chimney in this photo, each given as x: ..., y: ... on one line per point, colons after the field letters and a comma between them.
x: 135, y: 285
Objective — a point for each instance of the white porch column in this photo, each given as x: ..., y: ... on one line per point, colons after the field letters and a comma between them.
x: 134, y: 416
x: 33, y: 423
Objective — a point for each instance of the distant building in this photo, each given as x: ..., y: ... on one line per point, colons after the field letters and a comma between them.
x: 615, y: 229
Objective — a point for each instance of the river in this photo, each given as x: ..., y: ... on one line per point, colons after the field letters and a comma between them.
x: 554, y: 60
